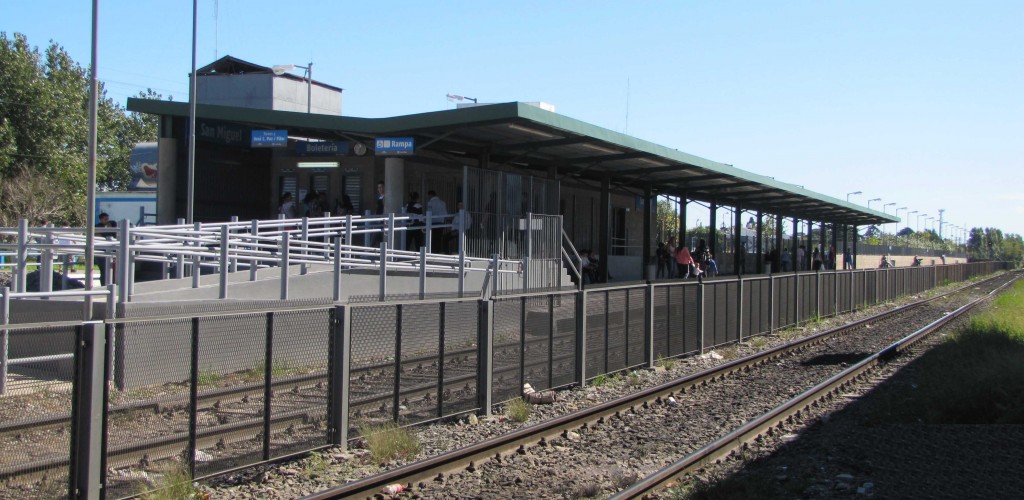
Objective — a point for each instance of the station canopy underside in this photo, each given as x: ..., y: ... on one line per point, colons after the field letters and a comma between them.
x: 525, y: 137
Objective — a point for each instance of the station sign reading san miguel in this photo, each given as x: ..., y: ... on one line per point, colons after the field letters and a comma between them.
x: 269, y: 138
x: 221, y: 133
x: 325, y: 148
x: 394, y: 146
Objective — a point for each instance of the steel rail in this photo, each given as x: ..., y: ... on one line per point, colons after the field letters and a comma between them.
x: 737, y: 439
x: 495, y: 447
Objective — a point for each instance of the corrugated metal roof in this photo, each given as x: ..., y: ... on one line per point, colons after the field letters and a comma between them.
x: 533, y: 138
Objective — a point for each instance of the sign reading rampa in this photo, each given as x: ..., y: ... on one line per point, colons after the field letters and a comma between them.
x: 394, y: 146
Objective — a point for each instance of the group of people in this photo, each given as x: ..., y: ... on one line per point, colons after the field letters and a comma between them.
x: 443, y: 239
x: 679, y: 262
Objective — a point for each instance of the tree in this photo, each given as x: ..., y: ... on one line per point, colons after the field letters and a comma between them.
x: 44, y: 101
x: 667, y: 219
x: 905, y: 232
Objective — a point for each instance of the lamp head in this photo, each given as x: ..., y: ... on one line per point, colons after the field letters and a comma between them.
x: 281, y: 69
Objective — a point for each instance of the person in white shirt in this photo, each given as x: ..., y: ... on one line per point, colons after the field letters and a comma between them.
x: 438, y: 211
x: 457, y: 225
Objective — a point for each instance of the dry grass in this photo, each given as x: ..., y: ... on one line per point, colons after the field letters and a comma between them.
x: 388, y: 442
x: 518, y: 410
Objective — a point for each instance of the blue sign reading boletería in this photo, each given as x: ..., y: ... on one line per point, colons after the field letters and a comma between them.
x: 269, y: 138
x: 394, y: 146
x: 325, y: 148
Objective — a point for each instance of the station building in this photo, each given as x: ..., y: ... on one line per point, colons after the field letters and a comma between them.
x: 260, y: 135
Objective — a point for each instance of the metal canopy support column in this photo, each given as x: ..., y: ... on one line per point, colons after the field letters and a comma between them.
x: 854, y: 246
x: 845, y: 249
x: 648, y: 215
x: 604, y: 220
x: 737, y: 244
x: 712, y: 231
x: 822, y: 238
x: 796, y: 243
x: 682, y: 221
x: 834, y: 248
x: 759, y: 256
x: 777, y: 264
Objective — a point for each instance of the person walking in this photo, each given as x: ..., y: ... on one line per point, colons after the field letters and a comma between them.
x: 685, y: 262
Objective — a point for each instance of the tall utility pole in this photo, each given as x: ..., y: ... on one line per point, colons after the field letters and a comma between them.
x: 941, y: 211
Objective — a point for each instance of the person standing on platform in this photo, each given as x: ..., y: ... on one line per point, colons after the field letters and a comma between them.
x: 801, y: 254
x: 847, y: 259
x: 414, y: 229
x: 438, y: 211
x: 107, y: 225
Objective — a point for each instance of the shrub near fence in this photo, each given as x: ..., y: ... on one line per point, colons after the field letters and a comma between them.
x: 227, y: 390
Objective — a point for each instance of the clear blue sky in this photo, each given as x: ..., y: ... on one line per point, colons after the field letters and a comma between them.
x: 915, y: 102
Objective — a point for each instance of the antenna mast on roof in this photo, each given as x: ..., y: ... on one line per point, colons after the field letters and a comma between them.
x: 216, y: 24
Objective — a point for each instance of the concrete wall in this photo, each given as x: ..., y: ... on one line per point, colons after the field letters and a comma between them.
x: 290, y: 95
x: 247, y: 91
x: 266, y: 91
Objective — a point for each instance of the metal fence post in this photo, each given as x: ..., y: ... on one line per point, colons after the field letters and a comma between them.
x: 581, y: 338
x: 254, y: 231
x: 268, y: 373
x: 197, y: 271
x: 397, y: 401
x: 429, y: 240
x: 123, y: 268
x: 649, y: 325
x: 88, y: 408
x: 5, y: 318
x: 340, y: 363
x: 462, y: 252
x: 383, y: 271
x: 423, y: 272
x: 796, y: 299
x: 224, y: 265
x: 193, y: 405
x: 485, y: 359
x: 305, y: 245
x: 348, y: 236
x: 440, y: 358
x: 285, y: 249
x: 21, y: 271
x: 179, y: 269
x: 46, y: 265
x: 739, y: 308
x: 494, y: 265
x: 771, y: 305
x: 337, y: 269
x: 700, y: 328
x: 391, y: 231
x: 528, y: 254
x: 233, y: 265
x: 817, y: 294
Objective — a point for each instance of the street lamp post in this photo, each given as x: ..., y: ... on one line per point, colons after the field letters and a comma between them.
x: 873, y: 199
x: 908, y: 216
x: 848, y: 195
x: 281, y: 69
x: 919, y: 221
x: 898, y: 216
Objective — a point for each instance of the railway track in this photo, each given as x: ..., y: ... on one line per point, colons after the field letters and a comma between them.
x: 434, y: 474
x: 734, y: 441
x: 238, y: 411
